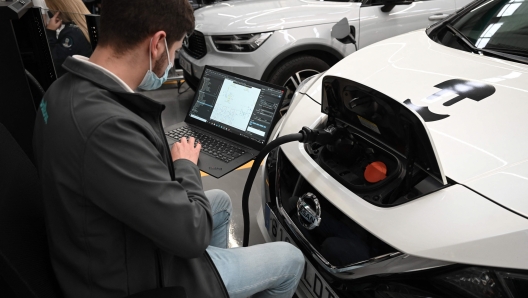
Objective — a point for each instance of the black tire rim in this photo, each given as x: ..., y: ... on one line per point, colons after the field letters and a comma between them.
x: 292, y: 83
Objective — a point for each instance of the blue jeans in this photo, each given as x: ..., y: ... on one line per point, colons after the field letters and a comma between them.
x: 264, y: 270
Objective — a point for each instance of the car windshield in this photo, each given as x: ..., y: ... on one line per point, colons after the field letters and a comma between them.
x: 493, y: 27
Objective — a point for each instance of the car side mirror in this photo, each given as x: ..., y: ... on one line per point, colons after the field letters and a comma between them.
x: 389, y: 4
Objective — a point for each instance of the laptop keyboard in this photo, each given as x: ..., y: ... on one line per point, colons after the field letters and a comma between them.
x: 210, y: 145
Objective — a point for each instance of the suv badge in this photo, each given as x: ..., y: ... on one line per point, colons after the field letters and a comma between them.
x: 309, y: 211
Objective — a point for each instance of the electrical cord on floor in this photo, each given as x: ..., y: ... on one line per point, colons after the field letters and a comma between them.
x: 311, y: 98
x: 305, y: 135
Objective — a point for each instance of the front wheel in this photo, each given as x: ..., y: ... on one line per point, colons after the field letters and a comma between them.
x: 293, y: 71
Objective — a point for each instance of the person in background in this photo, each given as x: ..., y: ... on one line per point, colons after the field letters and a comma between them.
x: 73, y: 39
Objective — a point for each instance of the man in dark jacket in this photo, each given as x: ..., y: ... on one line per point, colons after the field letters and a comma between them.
x: 125, y: 213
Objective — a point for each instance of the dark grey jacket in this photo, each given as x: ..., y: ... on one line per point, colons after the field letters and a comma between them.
x: 121, y: 217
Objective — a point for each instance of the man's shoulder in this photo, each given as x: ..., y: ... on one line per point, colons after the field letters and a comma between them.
x: 85, y: 104
x: 79, y: 93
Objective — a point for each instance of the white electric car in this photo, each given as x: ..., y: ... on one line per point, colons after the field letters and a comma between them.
x: 422, y: 189
x: 287, y: 41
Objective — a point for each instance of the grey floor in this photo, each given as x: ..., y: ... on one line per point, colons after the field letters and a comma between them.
x: 232, y: 183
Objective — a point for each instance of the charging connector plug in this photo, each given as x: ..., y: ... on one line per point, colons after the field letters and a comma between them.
x: 306, y: 135
x: 320, y: 136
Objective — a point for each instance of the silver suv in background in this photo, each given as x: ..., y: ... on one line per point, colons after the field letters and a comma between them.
x: 284, y: 42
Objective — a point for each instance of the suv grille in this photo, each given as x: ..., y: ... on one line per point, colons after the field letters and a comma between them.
x: 196, y: 46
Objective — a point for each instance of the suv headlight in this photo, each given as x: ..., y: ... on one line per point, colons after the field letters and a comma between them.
x: 240, y: 42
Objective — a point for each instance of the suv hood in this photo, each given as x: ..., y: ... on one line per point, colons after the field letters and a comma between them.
x: 474, y: 108
x: 254, y: 16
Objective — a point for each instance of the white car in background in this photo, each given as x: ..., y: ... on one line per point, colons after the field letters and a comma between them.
x: 286, y: 41
x: 423, y: 190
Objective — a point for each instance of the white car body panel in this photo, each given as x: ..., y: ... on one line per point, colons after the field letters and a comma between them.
x: 241, y: 17
x: 297, y: 23
x: 480, y: 146
x: 376, y: 25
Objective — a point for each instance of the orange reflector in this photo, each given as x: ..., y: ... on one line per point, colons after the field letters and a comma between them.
x: 375, y: 172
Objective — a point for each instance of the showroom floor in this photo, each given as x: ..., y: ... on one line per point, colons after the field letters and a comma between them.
x: 233, y: 183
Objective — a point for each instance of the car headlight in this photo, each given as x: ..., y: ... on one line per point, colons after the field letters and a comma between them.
x: 487, y: 282
x: 240, y: 42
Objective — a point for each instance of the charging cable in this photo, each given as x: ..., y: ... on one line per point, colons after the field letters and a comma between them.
x: 305, y: 135
x: 310, y: 98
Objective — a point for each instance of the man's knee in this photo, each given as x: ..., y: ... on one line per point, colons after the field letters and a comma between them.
x: 292, y: 256
x: 220, y: 200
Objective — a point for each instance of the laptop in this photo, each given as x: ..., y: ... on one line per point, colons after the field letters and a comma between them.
x: 232, y: 116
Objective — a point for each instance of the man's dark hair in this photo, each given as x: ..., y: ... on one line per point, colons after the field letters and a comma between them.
x: 126, y: 23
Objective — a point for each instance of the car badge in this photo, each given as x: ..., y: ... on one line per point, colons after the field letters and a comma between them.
x: 309, y: 211
x: 186, y: 41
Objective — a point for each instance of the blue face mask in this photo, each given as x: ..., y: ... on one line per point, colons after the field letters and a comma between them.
x: 151, y: 80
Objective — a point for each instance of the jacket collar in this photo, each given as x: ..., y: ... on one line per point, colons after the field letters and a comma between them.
x: 101, y: 79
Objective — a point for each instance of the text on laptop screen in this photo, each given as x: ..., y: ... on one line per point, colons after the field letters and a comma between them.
x: 233, y: 104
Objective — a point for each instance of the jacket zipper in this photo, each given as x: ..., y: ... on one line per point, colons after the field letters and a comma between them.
x: 161, y: 280
x: 167, y: 148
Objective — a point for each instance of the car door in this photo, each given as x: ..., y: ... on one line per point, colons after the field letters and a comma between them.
x: 376, y: 25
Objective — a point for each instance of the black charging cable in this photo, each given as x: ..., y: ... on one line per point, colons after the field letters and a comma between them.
x: 35, y: 83
x: 306, y: 135
x: 310, y: 98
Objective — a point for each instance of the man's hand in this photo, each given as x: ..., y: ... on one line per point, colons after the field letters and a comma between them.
x: 185, y: 149
x: 55, y: 22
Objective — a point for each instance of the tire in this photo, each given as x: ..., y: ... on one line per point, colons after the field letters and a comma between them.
x: 293, y: 71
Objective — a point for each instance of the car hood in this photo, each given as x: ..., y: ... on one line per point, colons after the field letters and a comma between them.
x: 473, y: 106
x: 254, y: 16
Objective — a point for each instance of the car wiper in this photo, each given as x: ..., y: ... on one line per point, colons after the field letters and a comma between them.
x: 463, y: 38
x: 485, y: 51
x: 516, y: 52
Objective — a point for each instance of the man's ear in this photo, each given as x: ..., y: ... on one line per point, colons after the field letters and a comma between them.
x: 158, y: 44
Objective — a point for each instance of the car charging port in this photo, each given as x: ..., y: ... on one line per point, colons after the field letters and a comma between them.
x: 375, y: 172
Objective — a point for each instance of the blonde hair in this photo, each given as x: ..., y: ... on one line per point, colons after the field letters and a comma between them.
x: 71, y: 11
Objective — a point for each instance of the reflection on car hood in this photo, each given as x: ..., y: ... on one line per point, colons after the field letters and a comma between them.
x: 474, y: 107
x: 253, y: 16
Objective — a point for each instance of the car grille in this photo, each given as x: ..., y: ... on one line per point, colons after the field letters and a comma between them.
x: 196, y: 46
x: 338, y: 239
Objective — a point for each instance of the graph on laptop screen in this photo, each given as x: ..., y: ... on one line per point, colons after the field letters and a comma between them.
x: 243, y: 107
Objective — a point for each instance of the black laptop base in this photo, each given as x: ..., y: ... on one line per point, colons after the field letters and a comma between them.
x: 215, y: 166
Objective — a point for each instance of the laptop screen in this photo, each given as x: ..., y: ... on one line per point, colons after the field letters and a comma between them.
x: 237, y: 105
